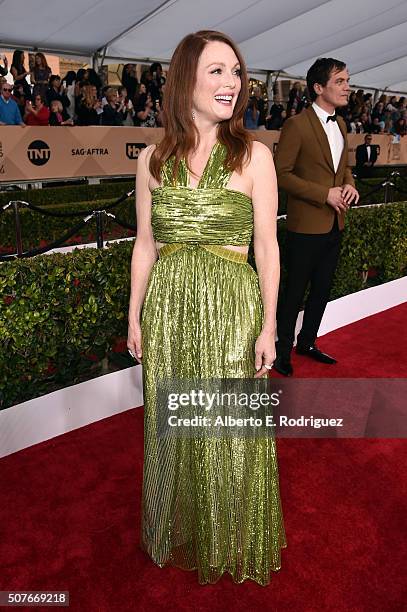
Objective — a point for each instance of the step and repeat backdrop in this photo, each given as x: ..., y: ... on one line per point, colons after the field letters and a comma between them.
x: 40, y: 153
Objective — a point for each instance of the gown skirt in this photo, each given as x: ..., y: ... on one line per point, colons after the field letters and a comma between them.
x: 210, y: 504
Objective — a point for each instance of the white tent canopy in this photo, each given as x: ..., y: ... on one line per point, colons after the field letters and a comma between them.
x: 369, y: 35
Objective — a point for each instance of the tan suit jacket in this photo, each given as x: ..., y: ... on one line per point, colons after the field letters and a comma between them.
x: 306, y: 172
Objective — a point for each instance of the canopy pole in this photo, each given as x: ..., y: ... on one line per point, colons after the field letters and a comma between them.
x: 269, y: 86
x: 273, y: 85
x: 97, y: 61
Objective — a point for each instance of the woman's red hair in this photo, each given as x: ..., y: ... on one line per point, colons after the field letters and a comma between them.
x: 181, y: 135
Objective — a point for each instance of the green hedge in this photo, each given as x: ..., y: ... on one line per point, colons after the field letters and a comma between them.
x: 58, y: 311
x: 69, y: 193
x: 374, y: 248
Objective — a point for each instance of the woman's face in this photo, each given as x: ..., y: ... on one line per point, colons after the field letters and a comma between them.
x: 37, y: 60
x: 218, y: 82
x: 37, y: 101
x: 142, y: 89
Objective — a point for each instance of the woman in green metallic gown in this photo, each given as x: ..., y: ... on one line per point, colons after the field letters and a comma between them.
x: 198, y: 310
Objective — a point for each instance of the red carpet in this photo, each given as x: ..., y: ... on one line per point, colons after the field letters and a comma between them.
x: 69, y: 512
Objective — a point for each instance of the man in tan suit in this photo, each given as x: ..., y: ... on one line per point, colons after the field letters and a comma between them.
x: 312, y: 167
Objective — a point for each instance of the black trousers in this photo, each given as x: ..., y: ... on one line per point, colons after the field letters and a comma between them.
x: 310, y: 259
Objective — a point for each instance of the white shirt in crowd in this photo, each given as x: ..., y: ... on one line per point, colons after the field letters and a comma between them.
x: 333, y: 132
x: 368, y: 152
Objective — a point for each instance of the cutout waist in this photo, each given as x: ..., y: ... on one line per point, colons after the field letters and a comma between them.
x: 216, y: 249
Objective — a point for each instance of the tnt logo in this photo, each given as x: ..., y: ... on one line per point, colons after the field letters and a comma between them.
x: 133, y: 149
x: 38, y: 152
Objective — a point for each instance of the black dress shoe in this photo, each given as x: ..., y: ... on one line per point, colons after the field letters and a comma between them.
x: 314, y: 352
x: 283, y: 366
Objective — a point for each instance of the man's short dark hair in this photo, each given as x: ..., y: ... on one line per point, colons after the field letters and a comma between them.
x: 320, y: 72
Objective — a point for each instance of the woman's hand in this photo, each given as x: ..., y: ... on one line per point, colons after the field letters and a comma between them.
x: 265, y: 353
x: 134, y: 342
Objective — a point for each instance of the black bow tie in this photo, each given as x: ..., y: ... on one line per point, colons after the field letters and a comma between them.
x: 331, y: 118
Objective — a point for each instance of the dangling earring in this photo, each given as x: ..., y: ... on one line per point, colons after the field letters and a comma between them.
x: 193, y: 115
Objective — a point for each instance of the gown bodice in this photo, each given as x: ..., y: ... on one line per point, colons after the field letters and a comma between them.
x: 207, y: 214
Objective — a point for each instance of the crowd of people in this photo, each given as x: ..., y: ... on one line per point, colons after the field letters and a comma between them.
x: 80, y: 98
x: 362, y: 115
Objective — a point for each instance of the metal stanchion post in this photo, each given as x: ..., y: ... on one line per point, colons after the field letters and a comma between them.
x: 19, y: 243
x: 395, y: 178
x: 99, y: 229
x: 391, y: 192
x: 388, y: 191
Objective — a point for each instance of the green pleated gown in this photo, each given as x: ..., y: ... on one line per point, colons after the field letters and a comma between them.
x: 210, y: 504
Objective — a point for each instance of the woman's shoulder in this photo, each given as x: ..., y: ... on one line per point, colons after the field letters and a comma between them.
x: 145, y: 155
x: 260, y: 152
x: 260, y: 161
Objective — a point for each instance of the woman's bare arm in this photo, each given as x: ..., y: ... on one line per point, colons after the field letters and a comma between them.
x: 266, y: 251
x: 144, y: 250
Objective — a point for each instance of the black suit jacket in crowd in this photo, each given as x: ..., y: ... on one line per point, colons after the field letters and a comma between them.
x: 361, y: 154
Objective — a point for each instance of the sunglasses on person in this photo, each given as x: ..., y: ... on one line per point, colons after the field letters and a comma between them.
x: 7, y: 89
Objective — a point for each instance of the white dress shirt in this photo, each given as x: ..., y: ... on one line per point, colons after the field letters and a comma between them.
x: 333, y: 132
x: 368, y: 152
